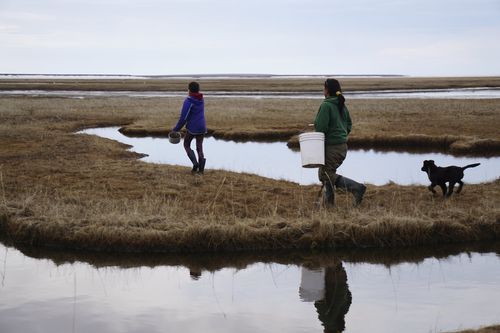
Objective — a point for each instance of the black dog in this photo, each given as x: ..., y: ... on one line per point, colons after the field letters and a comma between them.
x: 441, y: 176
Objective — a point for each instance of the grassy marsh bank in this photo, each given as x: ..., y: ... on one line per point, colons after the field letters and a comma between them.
x: 76, y: 191
x: 465, y: 127
x: 457, y: 126
x: 488, y: 329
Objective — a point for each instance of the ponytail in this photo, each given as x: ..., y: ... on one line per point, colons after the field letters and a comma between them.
x: 333, y: 87
x: 341, y: 103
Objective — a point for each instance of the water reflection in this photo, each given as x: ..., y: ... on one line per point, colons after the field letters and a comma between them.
x: 275, y: 160
x: 327, y: 287
x: 401, y: 290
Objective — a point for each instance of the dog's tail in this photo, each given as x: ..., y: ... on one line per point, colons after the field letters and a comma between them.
x: 470, y: 166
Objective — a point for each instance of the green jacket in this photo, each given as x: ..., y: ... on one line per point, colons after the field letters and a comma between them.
x: 329, y: 121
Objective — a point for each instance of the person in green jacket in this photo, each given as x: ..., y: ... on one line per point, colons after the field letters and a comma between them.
x: 334, y: 121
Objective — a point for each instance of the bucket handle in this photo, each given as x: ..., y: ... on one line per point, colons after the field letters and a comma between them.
x: 306, y: 127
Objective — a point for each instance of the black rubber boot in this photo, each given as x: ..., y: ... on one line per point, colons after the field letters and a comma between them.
x: 357, y: 189
x: 328, y: 195
x: 192, y: 157
x: 202, y: 165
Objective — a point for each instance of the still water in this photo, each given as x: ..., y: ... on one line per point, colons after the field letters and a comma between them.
x: 393, y: 292
x: 275, y: 160
x: 455, y: 93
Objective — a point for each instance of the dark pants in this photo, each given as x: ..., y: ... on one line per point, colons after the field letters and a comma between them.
x: 199, y: 144
x: 334, y: 156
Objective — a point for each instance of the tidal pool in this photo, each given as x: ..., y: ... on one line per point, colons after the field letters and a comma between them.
x: 400, y: 291
x: 275, y: 160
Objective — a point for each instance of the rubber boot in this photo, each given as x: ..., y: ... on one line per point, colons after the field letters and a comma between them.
x: 357, y: 189
x: 202, y: 165
x: 192, y: 157
x: 328, y: 195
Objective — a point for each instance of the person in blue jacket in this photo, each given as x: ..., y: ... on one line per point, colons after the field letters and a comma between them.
x: 193, y: 116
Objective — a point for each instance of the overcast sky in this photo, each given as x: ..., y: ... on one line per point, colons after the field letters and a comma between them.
x: 411, y: 37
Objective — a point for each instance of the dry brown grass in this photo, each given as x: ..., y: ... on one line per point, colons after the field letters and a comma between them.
x: 164, y: 218
x: 457, y: 126
x: 77, y: 191
x: 489, y: 329
x: 255, y: 84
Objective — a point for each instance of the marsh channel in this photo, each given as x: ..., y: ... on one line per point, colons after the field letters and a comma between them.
x: 427, y: 290
x: 458, y: 93
x: 275, y: 160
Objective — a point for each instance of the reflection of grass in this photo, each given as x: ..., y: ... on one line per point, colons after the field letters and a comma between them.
x: 79, y: 191
x: 241, y: 260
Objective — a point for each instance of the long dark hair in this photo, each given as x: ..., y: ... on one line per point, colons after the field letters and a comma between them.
x: 334, y: 89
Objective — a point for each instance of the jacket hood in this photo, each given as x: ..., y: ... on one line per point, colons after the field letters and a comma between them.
x: 332, y: 100
x: 196, y: 96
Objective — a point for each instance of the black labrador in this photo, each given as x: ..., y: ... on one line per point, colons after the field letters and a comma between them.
x: 440, y: 176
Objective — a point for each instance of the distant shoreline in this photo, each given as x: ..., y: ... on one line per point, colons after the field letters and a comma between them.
x: 255, y: 83
x: 450, y: 93
x: 183, y: 76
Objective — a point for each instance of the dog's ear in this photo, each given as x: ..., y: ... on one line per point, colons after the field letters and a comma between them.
x: 431, y: 162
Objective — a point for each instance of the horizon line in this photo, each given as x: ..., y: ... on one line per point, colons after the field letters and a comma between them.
x: 204, y: 75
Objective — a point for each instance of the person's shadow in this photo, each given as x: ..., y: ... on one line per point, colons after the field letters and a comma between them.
x: 327, y: 287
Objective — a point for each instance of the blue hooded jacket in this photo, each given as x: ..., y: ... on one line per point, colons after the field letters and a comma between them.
x: 193, y: 115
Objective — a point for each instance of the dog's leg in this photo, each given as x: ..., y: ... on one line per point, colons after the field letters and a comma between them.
x: 460, y: 185
x: 450, y: 188
x: 431, y: 188
x: 443, y: 188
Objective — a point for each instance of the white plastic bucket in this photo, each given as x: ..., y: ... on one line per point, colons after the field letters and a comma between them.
x: 312, y: 149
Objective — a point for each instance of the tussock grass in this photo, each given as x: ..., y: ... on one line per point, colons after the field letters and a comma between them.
x: 77, y: 191
x: 156, y: 210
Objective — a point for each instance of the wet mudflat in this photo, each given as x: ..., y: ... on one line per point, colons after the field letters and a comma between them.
x: 307, y: 294
x: 275, y: 160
